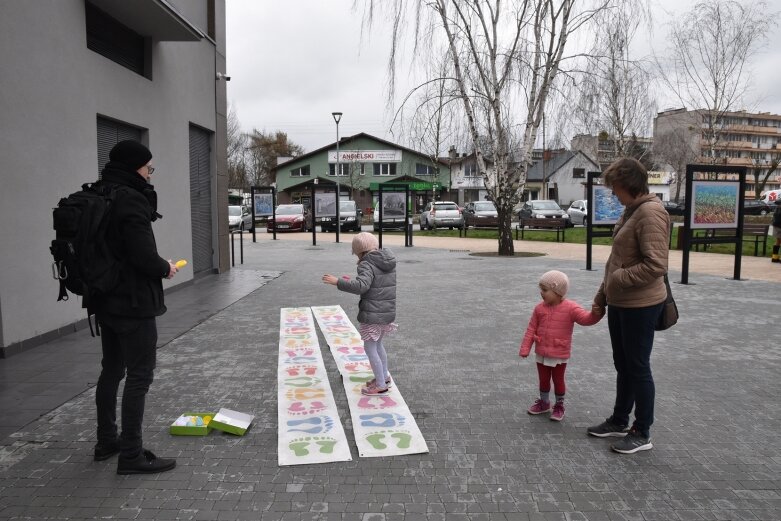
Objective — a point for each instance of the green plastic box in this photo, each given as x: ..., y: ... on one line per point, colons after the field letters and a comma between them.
x: 186, y: 430
x: 232, y: 422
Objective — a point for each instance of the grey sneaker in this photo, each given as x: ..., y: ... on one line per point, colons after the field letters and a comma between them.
x: 607, y: 429
x: 632, y: 442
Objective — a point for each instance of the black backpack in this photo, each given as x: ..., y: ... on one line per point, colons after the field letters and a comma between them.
x: 83, y: 262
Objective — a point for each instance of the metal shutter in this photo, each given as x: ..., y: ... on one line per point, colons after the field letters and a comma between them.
x: 109, y: 134
x: 117, y: 42
x: 201, y: 199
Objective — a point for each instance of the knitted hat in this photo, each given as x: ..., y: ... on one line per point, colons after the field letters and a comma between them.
x: 556, y: 281
x: 130, y: 153
x: 364, y: 242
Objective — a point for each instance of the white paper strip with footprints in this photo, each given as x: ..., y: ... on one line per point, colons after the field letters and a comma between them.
x: 383, y: 424
x: 309, y: 427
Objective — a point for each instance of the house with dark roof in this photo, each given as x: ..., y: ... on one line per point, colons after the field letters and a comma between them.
x: 561, y: 178
x: 364, y: 163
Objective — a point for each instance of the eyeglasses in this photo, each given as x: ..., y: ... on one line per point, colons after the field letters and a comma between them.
x: 150, y: 169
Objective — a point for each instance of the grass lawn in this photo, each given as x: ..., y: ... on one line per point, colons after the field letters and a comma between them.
x: 577, y: 235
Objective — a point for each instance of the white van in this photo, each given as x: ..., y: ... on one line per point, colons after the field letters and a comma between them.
x: 771, y: 196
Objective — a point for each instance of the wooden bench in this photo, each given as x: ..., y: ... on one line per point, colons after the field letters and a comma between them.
x: 557, y: 225
x: 757, y: 232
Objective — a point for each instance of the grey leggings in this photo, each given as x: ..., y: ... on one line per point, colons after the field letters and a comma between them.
x: 378, y: 359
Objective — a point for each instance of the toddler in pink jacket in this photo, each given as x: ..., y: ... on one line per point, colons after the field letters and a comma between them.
x: 550, y: 330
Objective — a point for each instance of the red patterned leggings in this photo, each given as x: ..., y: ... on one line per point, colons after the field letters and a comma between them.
x: 556, y: 373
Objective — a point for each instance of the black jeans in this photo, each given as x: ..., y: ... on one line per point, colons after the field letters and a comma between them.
x: 632, y: 337
x: 129, y: 344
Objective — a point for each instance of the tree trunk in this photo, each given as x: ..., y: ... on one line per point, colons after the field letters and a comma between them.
x: 506, y: 246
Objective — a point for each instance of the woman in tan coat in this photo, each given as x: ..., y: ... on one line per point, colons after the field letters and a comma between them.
x: 634, y: 292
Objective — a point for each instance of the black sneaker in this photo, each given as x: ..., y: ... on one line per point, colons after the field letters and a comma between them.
x: 144, y: 463
x: 632, y: 442
x: 607, y: 429
x: 105, y: 451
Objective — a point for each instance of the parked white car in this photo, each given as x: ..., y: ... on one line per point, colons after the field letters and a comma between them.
x: 239, y: 218
x: 441, y: 214
x: 578, y: 212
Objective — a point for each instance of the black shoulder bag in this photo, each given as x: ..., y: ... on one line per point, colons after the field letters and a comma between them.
x: 669, y: 315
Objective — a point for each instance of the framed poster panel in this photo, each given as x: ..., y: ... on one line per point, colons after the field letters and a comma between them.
x: 263, y: 205
x: 714, y: 204
x: 394, y: 205
x: 607, y: 208
x: 325, y: 204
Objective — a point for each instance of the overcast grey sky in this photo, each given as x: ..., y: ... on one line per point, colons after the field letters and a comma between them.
x: 295, y: 62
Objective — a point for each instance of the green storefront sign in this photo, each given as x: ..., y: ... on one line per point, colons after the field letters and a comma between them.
x: 416, y: 186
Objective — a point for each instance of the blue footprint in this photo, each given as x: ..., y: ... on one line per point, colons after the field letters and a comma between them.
x: 384, y: 419
x: 319, y: 424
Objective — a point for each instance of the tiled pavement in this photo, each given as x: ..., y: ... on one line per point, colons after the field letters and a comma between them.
x: 461, y: 318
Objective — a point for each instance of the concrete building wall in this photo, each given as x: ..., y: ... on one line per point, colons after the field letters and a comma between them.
x: 53, y: 88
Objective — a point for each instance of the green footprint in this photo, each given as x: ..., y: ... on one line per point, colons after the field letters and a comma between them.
x: 403, y: 438
x: 299, y: 448
x: 327, y: 446
x: 376, y: 441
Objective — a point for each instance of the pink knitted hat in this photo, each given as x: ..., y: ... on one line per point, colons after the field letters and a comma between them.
x: 556, y: 281
x: 364, y: 242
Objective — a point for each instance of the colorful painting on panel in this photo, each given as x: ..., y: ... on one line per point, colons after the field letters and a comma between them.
x: 607, y: 207
x: 715, y: 204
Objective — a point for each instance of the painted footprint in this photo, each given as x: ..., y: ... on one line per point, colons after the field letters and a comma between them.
x: 376, y: 402
x: 308, y: 370
x: 351, y: 350
x: 304, y: 394
x: 304, y: 351
x: 300, y: 360
x: 355, y: 358
x: 361, y: 376
x: 383, y: 419
x: 380, y: 440
x: 302, y: 381
x: 314, y: 425
x: 301, y: 446
x: 354, y: 367
x: 299, y: 409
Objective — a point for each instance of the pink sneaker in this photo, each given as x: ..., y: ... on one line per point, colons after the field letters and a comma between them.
x: 373, y: 382
x: 371, y: 390
x: 558, y: 411
x: 539, y: 407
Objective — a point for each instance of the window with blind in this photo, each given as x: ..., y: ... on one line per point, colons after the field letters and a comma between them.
x: 115, y: 41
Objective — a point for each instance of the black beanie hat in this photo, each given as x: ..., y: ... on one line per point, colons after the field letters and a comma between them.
x: 130, y: 153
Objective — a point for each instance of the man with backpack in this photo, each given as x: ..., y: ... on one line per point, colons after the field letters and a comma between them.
x: 126, y: 314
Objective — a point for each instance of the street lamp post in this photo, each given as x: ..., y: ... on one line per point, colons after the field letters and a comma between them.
x: 337, y: 117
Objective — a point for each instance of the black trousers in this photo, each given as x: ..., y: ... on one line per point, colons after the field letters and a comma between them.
x: 129, y: 345
x: 632, y: 338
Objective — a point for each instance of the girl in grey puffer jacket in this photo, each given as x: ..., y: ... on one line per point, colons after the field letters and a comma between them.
x: 376, y: 284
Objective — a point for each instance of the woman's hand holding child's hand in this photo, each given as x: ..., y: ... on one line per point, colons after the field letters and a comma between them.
x: 330, y: 279
x: 597, y: 309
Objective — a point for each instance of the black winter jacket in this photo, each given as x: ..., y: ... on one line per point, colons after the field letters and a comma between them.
x: 139, y: 292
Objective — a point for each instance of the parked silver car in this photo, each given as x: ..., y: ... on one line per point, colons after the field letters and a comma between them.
x: 578, y: 212
x: 441, y: 214
x: 239, y: 218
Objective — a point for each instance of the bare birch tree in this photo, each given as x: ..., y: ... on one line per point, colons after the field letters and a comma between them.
x: 674, y: 147
x: 505, y: 58
x: 237, y: 155
x: 709, y: 50
x: 614, y: 94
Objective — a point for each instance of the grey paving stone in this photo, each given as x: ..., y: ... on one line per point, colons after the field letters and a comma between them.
x: 715, y: 439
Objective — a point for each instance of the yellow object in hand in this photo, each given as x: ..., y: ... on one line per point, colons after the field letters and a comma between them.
x: 180, y: 264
